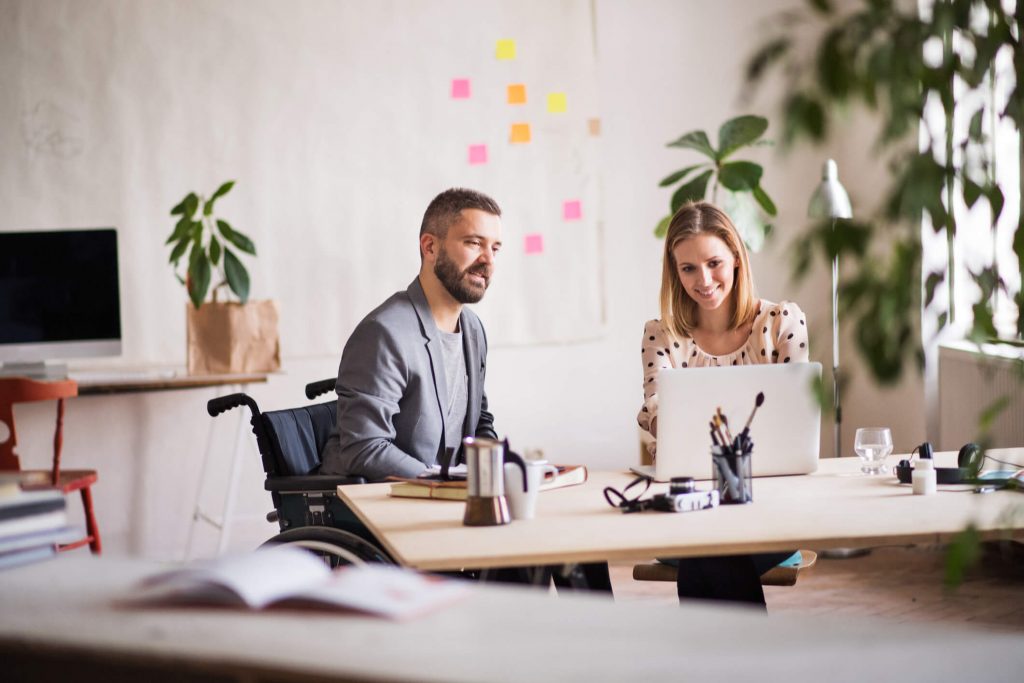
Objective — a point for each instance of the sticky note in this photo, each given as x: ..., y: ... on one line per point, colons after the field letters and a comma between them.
x: 477, y: 154
x: 520, y: 133
x: 594, y: 126
x: 556, y: 103
x: 571, y: 210
x: 534, y: 244
x: 506, y: 49
x: 517, y: 94
x: 460, y: 88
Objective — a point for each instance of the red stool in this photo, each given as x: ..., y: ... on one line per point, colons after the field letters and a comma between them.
x: 23, y: 390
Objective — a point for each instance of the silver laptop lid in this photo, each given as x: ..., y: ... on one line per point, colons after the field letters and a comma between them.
x: 785, y: 431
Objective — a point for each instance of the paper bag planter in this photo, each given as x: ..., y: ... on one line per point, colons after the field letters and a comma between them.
x: 233, y: 338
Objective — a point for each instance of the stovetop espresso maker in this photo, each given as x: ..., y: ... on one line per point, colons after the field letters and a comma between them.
x: 485, y: 480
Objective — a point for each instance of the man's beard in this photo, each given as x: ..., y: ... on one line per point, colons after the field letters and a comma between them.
x: 457, y: 282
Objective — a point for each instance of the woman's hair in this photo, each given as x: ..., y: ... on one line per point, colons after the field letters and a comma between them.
x: 678, y: 310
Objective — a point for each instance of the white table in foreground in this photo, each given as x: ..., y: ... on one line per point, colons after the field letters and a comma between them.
x: 836, y: 507
x: 59, y: 622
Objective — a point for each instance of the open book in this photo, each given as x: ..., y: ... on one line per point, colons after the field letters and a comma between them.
x: 421, y: 487
x: 290, y: 576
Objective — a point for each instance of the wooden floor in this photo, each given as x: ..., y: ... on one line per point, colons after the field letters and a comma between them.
x: 904, y: 584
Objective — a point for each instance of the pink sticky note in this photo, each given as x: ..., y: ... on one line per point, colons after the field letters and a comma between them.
x: 460, y: 88
x: 571, y: 210
x: 535, y: 244
x: 478, y: 154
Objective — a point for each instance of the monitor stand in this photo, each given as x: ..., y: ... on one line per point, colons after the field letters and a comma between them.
x: 38, y: 370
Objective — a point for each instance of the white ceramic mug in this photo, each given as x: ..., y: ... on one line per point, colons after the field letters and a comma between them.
x: 523, y: 504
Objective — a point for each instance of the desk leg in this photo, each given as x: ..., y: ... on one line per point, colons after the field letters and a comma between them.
x: 200, y: 515
x: 241, y: 440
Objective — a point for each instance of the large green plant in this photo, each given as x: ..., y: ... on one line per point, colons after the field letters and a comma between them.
x: 877, y: 56
x: 206, y: 238
x: 892, y: 60
x: 745, y: 200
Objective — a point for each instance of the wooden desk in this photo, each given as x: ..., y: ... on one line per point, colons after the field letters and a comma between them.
x: 835, y: 507
x: 126, y: 384
x: 58, y: 622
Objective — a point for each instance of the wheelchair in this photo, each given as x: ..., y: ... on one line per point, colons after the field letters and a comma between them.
x: 310, y: 514
x: 306, y: 504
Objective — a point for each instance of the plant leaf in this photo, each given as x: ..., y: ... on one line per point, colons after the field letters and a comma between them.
x: 740, y: 176
x: 765, y: 201
x: 662, y: 228
x: 934, y: 279
x: 238, y: 276
x: 964, y: 551
x: 179, y: 208
x: 214, y: 249
x: 221, y: 191
x: 198, y: 274
x: 179, y: 249
x: 241, y: 241
x: 739, y: 132
x: 181, y: 229
x: 695, y: 190
x: 697, y: 140
x: 191, y: 204
x: 679, y: 175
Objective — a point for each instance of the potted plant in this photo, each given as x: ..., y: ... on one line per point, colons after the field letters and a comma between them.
x: 745, y: 200
x: 223, y: 336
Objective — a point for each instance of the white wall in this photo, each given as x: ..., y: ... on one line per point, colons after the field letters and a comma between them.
x: 664, y: 67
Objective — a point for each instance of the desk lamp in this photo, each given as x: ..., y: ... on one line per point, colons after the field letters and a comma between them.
x: 830, y: 201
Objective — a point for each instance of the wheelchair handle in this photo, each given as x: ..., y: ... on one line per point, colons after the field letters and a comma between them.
x: 314, y: 389
x: 222, y: 404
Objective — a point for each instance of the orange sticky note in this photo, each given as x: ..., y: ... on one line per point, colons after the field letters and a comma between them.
x: 556, y: 103
x: 520, y: 133
x: 594, y: 126
x: 534, y: 244
x: 517, y: 94
x: 506, y: 49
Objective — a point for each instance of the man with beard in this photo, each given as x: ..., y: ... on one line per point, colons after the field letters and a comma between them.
x: 411, y: 380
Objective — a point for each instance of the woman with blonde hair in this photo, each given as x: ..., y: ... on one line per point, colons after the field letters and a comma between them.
x: 710, y: 316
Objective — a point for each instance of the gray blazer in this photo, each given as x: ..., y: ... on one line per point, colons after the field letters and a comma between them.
x: 391, y: 388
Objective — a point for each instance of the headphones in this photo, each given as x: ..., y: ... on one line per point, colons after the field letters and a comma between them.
x: 969, y: 461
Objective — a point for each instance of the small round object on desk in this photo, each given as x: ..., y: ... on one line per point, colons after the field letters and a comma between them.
x: 679, y: 485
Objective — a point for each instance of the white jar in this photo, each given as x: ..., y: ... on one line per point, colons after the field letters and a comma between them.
x: 923, y: 477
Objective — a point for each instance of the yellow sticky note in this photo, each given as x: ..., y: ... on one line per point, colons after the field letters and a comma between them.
x: 517, y: 94
x: 520, y: 133
x: 506, y: 49
x: 556, y: 102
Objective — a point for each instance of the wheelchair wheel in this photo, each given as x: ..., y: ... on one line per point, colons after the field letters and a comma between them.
x: 335, y: 546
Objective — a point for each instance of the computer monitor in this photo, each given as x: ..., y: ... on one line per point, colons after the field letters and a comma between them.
x: 59, y: 299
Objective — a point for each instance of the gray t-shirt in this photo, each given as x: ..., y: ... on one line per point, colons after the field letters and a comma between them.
x: 458, y: 394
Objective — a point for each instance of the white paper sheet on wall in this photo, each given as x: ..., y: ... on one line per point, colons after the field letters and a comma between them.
x: 339, y: 120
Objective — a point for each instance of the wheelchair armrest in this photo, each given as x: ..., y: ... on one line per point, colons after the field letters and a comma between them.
x: 310, y: 483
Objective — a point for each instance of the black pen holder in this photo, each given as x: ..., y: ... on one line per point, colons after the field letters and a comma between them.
x: 731, y: 473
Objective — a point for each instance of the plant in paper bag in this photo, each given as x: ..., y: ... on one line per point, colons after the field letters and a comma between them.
x: 208, y: 240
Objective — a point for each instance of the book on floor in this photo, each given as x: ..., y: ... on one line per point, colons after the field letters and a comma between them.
x: 287, y: 576
x: 28, y: 512
x: 567, y: 475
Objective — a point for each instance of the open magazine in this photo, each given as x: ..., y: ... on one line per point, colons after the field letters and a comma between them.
x: 290, y: 576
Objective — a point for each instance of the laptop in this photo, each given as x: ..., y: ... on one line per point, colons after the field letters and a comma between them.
x: 785, y: 431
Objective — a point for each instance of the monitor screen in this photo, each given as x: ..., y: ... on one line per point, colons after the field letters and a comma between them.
x: 59, y: 295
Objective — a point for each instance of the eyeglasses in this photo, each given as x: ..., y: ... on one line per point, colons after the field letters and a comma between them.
x: 621, y: 500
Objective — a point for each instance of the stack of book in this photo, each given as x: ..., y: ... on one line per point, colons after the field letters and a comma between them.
x: 32, y: 523
x: 434, y: 487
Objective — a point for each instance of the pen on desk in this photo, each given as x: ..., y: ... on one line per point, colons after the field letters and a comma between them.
x: 725, y: 423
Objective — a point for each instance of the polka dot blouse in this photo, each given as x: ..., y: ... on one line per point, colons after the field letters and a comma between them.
x: 779, y: 335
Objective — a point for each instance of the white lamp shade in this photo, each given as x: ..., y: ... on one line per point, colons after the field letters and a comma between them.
x: 830, y: 199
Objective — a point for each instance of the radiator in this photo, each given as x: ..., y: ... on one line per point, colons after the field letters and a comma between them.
x: 969, y: 382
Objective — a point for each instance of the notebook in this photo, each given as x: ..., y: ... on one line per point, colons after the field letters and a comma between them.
x: 785, y: 431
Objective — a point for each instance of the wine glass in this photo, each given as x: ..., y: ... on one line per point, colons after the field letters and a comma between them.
x: 872, y: 445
